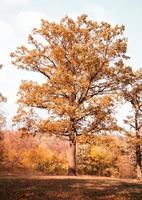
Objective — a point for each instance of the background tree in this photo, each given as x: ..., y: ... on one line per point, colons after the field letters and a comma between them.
x: 101, y: 155
x: 133, y: 95
x: 27, y: 154
x: 104, y: 155
x: 2, y: 98
x: 2, y: 124
x: 81, y: 62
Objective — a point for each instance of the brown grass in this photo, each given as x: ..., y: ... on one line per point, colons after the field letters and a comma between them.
x: 68, y: 188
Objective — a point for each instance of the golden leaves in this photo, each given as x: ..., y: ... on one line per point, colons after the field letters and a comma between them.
x: 105, y: 101
x: 58, y: 54
x: 57, y: 127
x: 81, y: 62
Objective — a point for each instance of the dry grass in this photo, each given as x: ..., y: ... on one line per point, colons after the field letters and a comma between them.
x: 68, y: 188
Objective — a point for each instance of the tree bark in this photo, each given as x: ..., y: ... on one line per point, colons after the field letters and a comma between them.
x: 138, y: 161
x: 138, y: 148
x: 72, y: 159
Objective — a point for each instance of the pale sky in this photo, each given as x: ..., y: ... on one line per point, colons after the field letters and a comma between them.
x: 19, y: 17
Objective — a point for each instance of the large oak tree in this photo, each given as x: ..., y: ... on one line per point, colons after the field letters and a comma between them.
x: 82, y: 62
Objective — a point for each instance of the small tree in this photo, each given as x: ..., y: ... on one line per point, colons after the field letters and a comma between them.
x: 81, y: 62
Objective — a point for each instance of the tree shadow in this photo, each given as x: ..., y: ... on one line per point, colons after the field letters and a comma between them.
x: 64, y: 188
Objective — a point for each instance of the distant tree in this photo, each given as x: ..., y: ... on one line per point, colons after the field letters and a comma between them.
x: 82, y: 63
x: 2, y: 124
x: 133, y: 95
x: 100, y: 154
x: 2, y: 98
x: 25, y: 153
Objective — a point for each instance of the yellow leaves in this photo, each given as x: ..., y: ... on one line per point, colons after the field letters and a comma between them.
x: 26, y: 161
x: 100, y: 154
x: 95, y: 151
x: 29, y: 154
x: 63, y: 80
x: 132, y: 140
x: 36, y: 157
x: 84, y: 83
x: 41, y: 155
x: 57, y: 127
x: 105, y: 101
x: 83, y: 139
x: 32, y: 93
x: 58, y: 54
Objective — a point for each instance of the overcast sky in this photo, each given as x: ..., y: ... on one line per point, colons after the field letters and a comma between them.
x: 19, y: 17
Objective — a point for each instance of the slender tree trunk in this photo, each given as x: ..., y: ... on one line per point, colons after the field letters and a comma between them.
x: 72, y: 158
x: 138, y: 148
x: 138, y: 161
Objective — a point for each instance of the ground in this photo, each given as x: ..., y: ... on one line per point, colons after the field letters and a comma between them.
x: 68, y: 188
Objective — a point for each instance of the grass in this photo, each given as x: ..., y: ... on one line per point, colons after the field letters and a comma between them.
x: 68, y: 188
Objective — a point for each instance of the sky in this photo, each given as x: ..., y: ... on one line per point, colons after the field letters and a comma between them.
x: 19, y: 17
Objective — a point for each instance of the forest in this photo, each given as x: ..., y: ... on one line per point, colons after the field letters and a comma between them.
x: 67, y: 124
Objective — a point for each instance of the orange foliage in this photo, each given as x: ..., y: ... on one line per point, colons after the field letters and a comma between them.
x: 27, y: 154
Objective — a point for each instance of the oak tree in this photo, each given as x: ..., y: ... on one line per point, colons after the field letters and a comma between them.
x: 82, y: 62
x: 133, y: 94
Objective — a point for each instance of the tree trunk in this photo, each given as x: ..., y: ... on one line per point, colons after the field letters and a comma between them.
x: 139, y: 172
x: 138, y: 161
x: 72, y: 159
x: 138, y: 148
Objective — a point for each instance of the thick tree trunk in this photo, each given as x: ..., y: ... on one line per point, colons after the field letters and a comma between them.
x: 72, y: 159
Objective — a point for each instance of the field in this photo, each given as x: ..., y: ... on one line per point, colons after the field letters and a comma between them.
x: 68, y: 188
